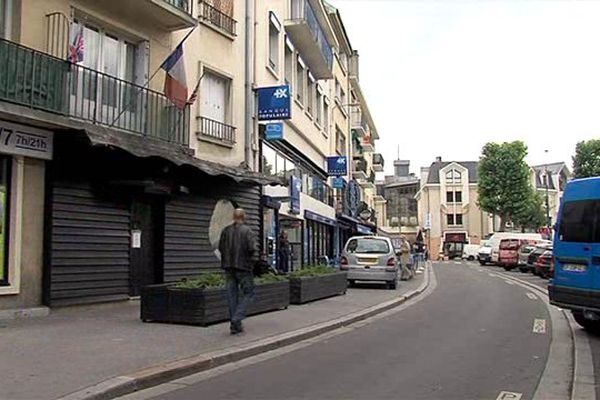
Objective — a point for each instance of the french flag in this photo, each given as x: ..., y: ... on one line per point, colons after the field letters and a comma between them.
x: 175, y: 82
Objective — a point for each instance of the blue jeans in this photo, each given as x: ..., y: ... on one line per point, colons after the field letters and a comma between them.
x: 240, y: 293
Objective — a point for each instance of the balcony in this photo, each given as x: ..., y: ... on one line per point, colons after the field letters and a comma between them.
x: 309, y: 32
x: 358, y: 126
x: 359, y: 169
x: 39, y: 81
x: 217, y: 18
x: 367, y: 144
x: 378, y: 162
x: 216, y: 131
x: 169, y: 15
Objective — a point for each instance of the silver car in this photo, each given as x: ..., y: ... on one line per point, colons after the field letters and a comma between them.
x: 370, y: 258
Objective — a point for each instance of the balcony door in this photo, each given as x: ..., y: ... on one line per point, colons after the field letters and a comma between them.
x: 103, y: 87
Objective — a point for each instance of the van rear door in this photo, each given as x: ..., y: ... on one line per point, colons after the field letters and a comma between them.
x: 577, y: 248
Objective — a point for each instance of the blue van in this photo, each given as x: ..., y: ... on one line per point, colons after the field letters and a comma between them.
x: 576, y: 282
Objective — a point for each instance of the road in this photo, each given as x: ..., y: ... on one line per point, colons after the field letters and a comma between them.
x: 470, y: 338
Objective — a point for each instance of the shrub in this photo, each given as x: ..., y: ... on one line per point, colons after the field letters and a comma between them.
x: 216, y: 280
x: 312, y: 271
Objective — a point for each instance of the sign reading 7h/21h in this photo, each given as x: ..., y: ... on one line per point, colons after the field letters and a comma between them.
x: 274, y: 103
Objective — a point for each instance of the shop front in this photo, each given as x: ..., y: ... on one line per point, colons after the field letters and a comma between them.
x: 454, y: 243
x: 318, y: 242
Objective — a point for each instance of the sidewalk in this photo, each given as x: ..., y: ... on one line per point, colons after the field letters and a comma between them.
x: 76, y: 347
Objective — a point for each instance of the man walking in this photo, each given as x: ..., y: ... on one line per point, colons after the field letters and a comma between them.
x: 239, y: 253
x: 407, y: 273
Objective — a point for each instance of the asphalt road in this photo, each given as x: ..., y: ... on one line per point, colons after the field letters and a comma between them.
x: 471, y: 338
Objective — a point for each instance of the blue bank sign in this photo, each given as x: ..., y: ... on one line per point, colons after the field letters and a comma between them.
x: 338, y: 182
x: 337, y: 166
x: 274, y: 102
x: 274, y: 131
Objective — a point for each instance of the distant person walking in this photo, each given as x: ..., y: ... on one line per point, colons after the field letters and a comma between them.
x: 405, y: 259
x: 239, y: 253
x: 285, y: 253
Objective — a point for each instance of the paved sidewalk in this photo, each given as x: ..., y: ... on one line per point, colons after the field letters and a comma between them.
x: 76, y: 347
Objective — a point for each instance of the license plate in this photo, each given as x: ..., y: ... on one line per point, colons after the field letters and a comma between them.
x: 368, y: 261
x: 574, y: 267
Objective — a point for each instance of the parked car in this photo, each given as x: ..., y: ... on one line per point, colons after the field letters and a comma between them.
x: 524, y: 251
x: 484, y: 254
x: 575, y: 284
x: 533, y: 256
x: 544, y: 266
x: 370, y: 258
x: 470, y: 252
x: 508, y: 256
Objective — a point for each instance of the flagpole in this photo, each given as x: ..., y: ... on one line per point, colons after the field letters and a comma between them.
x: 187, y: 35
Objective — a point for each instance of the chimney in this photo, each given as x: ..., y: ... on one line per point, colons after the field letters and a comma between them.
x: 438, y: 159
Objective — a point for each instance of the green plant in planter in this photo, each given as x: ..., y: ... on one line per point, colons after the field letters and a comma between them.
x: 269, y: 278
x: 312, y: 271
x: 216, y: 280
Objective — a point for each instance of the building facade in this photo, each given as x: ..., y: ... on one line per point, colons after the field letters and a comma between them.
x: 447, y: 205
x: 550, y: 181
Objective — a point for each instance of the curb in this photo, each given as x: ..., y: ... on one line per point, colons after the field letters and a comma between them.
x: 162, y: 373
x: 583, y: 378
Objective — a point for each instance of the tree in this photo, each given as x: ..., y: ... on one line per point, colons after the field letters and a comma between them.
x: 586, y: 161
x: 533, y: 215
x: 504, y: 180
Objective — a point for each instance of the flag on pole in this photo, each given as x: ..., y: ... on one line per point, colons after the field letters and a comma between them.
x: 76, y: 45
x: 194, y: 95
x: 175, y: 82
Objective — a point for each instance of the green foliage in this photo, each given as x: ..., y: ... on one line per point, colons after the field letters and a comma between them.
x: 504, y: 180
x: 204, y: 281
x: 533, y: 215
x: 269, y: 278
x: 312, y: 271
x: 586, y: 161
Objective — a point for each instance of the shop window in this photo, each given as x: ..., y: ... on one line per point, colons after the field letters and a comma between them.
x: 274, y: 28
x: 268, y: 160
x: 4, y: 217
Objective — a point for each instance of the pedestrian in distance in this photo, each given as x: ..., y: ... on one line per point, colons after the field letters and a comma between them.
x: 239, y: 254
x: 285, y: 252
x: 405, y: 259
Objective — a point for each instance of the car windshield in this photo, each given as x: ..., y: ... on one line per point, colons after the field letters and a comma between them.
x: 368, y: 246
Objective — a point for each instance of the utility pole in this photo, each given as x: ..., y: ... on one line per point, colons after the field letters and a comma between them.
x: 546, y: 178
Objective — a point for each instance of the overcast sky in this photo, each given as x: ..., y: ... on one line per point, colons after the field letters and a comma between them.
x: 445, y: 77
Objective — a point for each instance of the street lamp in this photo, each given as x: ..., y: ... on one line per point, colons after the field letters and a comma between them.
x: 546, y: 179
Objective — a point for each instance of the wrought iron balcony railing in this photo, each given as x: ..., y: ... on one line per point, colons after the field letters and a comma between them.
x: 42, y: 82
x: 183, y: 5
x: 216, y: 17
x: 216, y: 130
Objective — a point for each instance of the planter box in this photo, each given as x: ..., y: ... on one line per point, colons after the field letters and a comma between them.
x: 303, y: 290
x: 207, y: 306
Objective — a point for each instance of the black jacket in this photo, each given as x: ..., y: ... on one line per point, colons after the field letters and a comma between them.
x: 239, y: 247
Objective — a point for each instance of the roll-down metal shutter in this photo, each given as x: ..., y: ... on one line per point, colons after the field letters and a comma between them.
x: 89, y: 247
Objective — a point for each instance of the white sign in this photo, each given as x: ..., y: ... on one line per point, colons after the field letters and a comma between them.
x: 136, y: 239
x: 25, y: 141
x: 427, y: 221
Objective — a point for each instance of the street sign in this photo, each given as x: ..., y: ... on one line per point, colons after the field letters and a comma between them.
x: 274, y: 102
x: 337, y: 165
x: 427, y: 221
x: 338, y: 182
x: 274, y: 131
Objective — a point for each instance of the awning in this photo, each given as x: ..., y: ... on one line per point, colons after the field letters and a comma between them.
x: 319, y: 218
x: 147, y: 147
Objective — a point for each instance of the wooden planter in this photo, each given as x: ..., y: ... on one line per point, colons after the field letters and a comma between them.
x: 206, y: 306
x: 303, y: 290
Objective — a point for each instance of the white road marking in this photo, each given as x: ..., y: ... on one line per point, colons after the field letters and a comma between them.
x: 509, y: 396
x: 509, y: 282
x: 539, y: 325
x: 493, y: 275
x: 531, y: 296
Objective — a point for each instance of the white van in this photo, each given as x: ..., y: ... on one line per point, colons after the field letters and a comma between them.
x: 470, y: 252
x: 498, y: 236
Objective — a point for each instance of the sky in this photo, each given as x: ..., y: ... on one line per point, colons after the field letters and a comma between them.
x: 442, y: 78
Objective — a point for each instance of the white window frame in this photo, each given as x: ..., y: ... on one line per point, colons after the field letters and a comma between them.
x: 300, y: 81
x: 319, y: 106
x: 288, y: 76
x: 228, y: 95
x: 326, y: 119
x: 273, y: 60
x: 311, y: 88
x: 15, y: 220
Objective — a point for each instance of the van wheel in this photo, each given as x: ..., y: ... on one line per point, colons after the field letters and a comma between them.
x: 587, y: 324
x: 351, y: 283
x: 470, y: 258
x: 481, y: 262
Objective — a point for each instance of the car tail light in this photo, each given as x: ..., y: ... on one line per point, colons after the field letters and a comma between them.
x: 391, y: 262
x: 343, y: 263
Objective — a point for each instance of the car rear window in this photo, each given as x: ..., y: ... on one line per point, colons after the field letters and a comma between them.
x: 368, y: 246
x: 509, y: 244
x: 580, y: 222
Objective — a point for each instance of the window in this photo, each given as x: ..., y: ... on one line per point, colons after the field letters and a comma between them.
x: 217, y: 12
x: 340, y: 142
x: 368, y: 246
x: 450, y: 219
x: 310, y: 95
x: 454, y: 219
x: 453, y: 176
x: 214, y: 97
x: 459, y: 219
x: 338, y: 91
x: 449, y: 197
x: 344, y: 61
x: 458, y: 197
x: 300, y: 75
x: 326, y: 115
x: 289, y: 62
x: 268, y: 160
x: 580, y: 222
x: 4, y: 222
x: 274, y: 28
x: 319, y: 107
x: 3, y: 19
